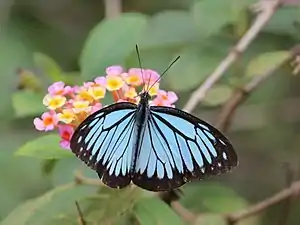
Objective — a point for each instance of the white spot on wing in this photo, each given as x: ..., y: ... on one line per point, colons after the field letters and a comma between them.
x: 222, y: 142
x: 224, y: 155
x: 84, y: 126
x: 100, y: 114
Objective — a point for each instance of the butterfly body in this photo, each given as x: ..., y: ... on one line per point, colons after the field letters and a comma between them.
x: 141, y: 117
x: 157, y: 148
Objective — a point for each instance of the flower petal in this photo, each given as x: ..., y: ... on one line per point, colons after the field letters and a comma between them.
x: 38, y: 123
x: 114, y: 70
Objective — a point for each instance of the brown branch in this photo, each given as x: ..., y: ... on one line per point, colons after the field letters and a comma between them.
x: 267, y: 9
x: 113, y: 8
x: 184, y: 213
x: 80, y: 214
x: 239, y: 96
x: 289, y: 178
x: 292, y: 191
x: 224, y: 121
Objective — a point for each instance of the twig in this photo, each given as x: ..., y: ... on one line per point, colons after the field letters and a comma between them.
x: 5, y: 8
x: 267, y: 9
x: 240, y: 95
x: 184, y: 213
x: 80, y: 214
x: 292, y: 191
x: 113, y: 8
x: 80, y: 179
x: 289, y: 178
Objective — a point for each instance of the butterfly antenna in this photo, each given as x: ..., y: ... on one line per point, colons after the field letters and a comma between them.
x: 140, y: 63
x: 166, y: 70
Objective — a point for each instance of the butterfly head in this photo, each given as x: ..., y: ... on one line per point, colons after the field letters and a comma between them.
x: 144, y: 98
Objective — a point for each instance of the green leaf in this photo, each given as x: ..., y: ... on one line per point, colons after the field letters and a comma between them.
x: 48, y: 66
x: 72, y: 78
x: 212, y: 197
x: 285, y: 21
x: 48, y: 166
x: 169, y: 28
x: 110, y: 205
x: 110, y: 42
x: 211, y: 15
x: 63, y: 172
x: 52, y: 205
x: 195, y: 64
x: 217, y: 95
x: 265, y: 61
x: 150, y: 211
x: 27, y: 103
x: 45, y: 147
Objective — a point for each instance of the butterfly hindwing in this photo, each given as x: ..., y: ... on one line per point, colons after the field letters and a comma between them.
x: 177, y: 148
x: 105, y: 142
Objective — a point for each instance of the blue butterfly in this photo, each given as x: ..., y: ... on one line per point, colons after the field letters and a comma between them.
x: 157, y: 148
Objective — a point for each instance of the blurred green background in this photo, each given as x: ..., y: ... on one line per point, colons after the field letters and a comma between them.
x: 73, y: 41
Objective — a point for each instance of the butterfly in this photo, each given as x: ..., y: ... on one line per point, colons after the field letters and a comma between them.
x: 157, y: 148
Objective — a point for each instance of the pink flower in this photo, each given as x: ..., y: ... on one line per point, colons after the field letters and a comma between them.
x: 121, y: 100
x: 47, y: 122
x: 165, y: 99
x: 65, y: 132
x: 151, y: 76
x: 134, y: 77
x: 168, y: 97
x: 59, y: 88
x: 76, y: 89
x: 96, y: 107
x: 101, y: 81
x: 88, y: 84
x: 136, y: 71
x: 68, y: 90
x: 114, y: 70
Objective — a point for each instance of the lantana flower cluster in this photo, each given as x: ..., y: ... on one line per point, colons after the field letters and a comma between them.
x: 68, y: 106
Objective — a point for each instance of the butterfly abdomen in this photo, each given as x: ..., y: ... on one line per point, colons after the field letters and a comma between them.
x: 141, y: 118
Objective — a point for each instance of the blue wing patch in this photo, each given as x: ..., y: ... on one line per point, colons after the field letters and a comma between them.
x: 104, y: 142
x: 176, y: 148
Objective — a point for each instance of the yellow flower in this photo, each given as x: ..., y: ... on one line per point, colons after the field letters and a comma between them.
x: 81, y: 106
x: 67, y: 116
x: 97, y: 92
x: 153, y: 90
x: 134, y: 79
x: 85, y: 95
x: 130, y: 93
x: 54, y: 102
x: 114, y: 83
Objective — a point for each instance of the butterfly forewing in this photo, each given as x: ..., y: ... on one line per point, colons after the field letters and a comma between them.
x: 105, y: 142
x: 177, y: 148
